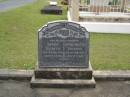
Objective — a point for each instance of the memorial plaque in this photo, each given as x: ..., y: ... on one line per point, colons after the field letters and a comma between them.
x: 63, y: 44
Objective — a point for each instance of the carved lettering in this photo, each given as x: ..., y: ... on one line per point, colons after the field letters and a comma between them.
x: 63, y: 45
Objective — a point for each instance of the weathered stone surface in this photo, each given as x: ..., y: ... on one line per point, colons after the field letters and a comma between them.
x: 109, y: 75
x: 66, y: 73
x: 7, y: 74
x: 63, y: 44
x: 14, y: 74
x: 60, y: 83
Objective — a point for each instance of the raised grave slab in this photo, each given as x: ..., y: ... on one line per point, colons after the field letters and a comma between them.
x: 52, y: 9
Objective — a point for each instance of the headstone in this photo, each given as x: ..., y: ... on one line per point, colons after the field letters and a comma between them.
x: 63, y: 44
x: 63, y: 56
x: 52, y: 9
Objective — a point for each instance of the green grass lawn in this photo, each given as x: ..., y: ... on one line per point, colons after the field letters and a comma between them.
x: 2, y: 0
x: 18, y: 40
x: 110, y: 51
x: 18, y: 34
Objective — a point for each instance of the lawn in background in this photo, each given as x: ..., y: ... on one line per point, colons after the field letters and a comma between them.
x: 18, y: 34
x: 110, y: 51
x: 2, y: 0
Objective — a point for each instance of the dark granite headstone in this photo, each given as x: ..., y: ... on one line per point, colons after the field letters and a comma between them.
x: 52, y: 9
x: 63, y: 44
x: 63, y: 56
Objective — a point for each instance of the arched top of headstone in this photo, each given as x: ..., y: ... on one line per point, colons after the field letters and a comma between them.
x: 63, y: 29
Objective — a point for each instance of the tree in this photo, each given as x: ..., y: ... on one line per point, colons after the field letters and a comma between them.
x: 65, y: 2
x: 113, y: 2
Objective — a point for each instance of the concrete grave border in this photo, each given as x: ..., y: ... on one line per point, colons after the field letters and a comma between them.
x: 108, y: 75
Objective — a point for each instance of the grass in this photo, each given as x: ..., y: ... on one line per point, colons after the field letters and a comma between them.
x: 110, y: 51
x: 2, y: 0
x: 18, y: 40
x: 18, y: 34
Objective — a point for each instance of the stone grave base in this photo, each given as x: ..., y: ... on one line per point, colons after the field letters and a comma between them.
x: 52, y: 9
x: 63, y: 77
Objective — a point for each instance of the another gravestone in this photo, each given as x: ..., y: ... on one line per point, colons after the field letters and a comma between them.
x: 63, y: 56
x: 52, y: 8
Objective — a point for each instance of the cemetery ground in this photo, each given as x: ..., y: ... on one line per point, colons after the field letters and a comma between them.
x: 18, y: 40
x: 103, y: 89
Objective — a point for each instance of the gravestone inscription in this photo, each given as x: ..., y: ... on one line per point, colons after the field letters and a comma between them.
x: 63, y: 44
